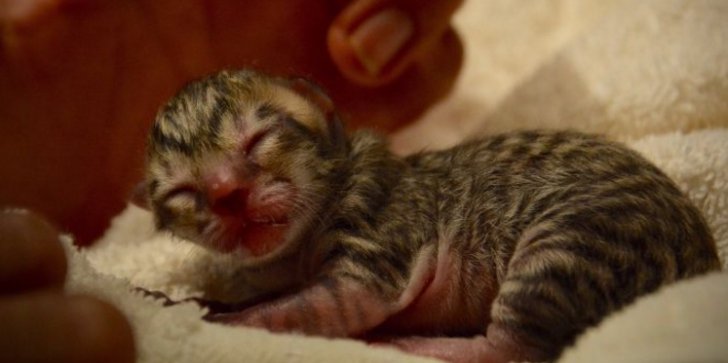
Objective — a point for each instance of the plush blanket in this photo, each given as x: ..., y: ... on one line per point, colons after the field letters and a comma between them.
x: 653, y: 74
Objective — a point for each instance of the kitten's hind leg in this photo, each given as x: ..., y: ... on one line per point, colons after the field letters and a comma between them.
x: 558, y: 283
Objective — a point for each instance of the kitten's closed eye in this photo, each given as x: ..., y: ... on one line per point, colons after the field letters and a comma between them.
x: 255, y: 140
x: 181, y: 195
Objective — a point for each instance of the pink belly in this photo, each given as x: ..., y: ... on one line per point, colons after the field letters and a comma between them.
x: 447, y: 298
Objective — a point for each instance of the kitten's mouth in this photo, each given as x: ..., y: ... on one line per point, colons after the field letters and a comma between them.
x: 257, y: 238
x: 261, y: 239
x: 254, y: 223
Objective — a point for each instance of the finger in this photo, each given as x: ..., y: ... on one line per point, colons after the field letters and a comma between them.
x: 29, y: 11
x: 403, y: 100
x: 31, y: 255
x: 42, y: 327
x: 373, y: 42
x: 23, y: 9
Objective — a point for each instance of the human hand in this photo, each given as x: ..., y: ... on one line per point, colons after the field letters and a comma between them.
x: 373, y: 42
x: 80, y: 81
x: 40, y: 323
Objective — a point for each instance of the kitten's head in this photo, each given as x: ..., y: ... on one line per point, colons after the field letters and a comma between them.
x: 244, y: 162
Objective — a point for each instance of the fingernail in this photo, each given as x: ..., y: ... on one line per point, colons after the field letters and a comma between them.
x: 14, y: 211
x: 378, y: 39
x: 24, y: 224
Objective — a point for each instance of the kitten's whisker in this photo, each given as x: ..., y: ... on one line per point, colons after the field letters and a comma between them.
x: 306, y: 209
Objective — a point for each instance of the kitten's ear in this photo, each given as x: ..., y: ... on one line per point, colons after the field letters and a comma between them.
x: 316, y: 95
x: 139, y: 196
x: 312, y: 92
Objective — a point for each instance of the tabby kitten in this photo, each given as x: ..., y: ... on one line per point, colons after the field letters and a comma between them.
x: 503, y: 248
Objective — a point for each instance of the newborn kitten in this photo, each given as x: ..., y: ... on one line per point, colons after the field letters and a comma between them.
x: 503, y: 248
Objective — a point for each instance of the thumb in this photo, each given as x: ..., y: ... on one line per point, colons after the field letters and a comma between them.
x: 373, y: 41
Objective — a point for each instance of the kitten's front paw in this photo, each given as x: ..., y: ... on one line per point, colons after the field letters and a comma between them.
x: 241, y: 318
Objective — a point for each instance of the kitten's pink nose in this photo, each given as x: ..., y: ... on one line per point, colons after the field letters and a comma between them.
x: 226, y: 195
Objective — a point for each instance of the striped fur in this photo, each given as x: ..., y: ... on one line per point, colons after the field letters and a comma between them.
x: 544, y: 232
